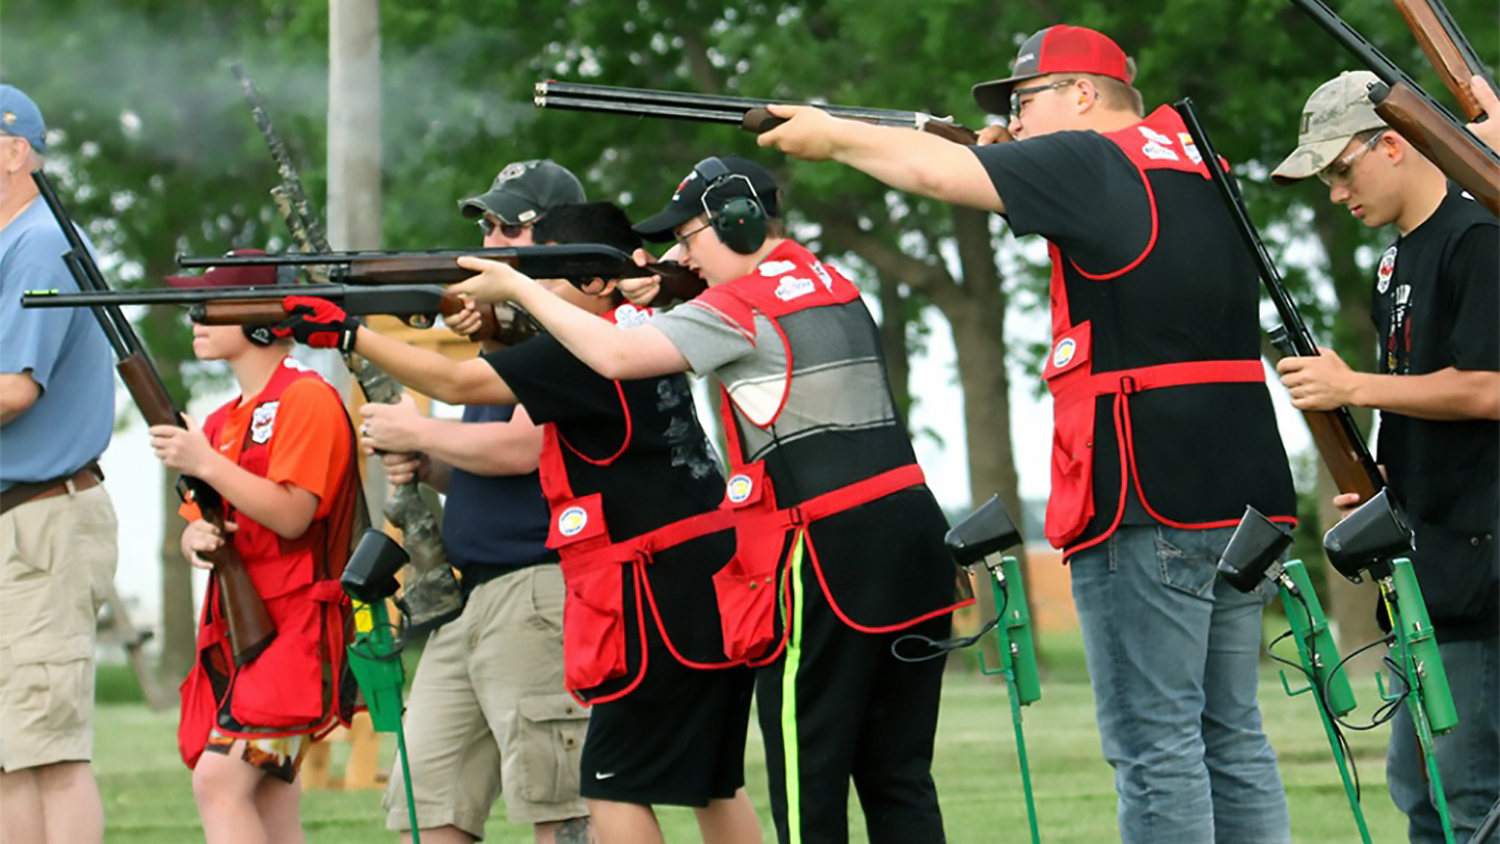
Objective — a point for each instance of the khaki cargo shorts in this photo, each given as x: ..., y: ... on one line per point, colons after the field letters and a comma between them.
x: 57, y: 558
x: 488, y: 714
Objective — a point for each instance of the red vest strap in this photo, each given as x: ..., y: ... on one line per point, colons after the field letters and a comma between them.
x: 855, y: 494
x: 1144, y: 378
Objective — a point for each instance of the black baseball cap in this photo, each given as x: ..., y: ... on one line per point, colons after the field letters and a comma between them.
x: 730, y: 176
x: 523, y: 190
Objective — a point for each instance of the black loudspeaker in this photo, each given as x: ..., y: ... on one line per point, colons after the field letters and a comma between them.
x: 1368, y: 539
x: 740, y: 222
x: 982, y: 533
x: 1256, y: 544
x: 370, y: 574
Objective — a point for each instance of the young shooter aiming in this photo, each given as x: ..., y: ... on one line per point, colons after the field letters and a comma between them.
x: 626, y: 468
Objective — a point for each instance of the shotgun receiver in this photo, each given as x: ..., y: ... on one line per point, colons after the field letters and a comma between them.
x: 1424, y: 123
x: 746, y: 112
x: 1333, y: 431
x: 1451, y: 54
x: 250, y: 625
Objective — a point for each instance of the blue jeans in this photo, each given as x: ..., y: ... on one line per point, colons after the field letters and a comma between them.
x: 1173, y: 654
x: 1468, y: 755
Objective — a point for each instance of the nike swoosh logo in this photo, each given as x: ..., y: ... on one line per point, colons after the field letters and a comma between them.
x: 602, y: 776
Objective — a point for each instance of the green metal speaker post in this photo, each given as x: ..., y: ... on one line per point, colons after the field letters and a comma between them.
x: 1320, y: 658
x: 375, y: 659
x: 1017, y: 662
x: 1428, y: 698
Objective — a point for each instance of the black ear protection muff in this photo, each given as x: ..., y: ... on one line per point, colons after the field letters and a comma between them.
x: 740, y: 222
x: 260, y: 335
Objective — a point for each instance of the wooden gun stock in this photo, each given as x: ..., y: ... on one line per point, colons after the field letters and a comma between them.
x: 1345, y: 461
x: 1452, y: 149
x: 250, y: 626
x: 1447, y: 49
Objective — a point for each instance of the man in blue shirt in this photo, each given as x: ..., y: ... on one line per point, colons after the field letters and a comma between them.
x: 488, y: 714
x: 57, y: 525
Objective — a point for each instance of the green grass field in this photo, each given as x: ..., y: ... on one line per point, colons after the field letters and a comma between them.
x: 148, y: 798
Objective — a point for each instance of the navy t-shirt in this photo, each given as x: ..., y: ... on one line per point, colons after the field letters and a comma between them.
x: 494, y: 522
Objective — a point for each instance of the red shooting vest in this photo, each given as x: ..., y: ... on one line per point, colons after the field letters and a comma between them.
x: 747, y: 586
x: 294, y: 686
x: 597, y: 569
x: 1075, y: 384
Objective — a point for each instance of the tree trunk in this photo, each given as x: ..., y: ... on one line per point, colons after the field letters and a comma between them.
x: 179, y: 621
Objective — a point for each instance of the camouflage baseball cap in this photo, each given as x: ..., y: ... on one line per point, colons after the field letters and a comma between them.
x: 1335, y: 113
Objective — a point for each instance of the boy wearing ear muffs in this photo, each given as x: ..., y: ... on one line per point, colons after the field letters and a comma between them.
x: 840, y: 541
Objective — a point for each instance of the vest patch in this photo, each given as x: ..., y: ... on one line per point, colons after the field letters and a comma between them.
x: 771, y: 269
x: 263, y: 422
x: 1186, y: 142
x: 739, y: 488
x: 629, y: 316
x: 572, y: 520
x: 1063, y: 354
x: 792, y: 287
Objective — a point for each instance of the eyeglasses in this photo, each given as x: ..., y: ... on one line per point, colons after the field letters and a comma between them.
x: 489, y: 223
x: 1340, y: 172
x: 1016, y: 106
x: 683, y: 238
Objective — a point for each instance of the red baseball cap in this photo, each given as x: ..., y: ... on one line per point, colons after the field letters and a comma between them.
x: 233, y: 276
x: 1057, y: 49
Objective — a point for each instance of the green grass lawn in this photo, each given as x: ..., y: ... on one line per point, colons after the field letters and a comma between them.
x: 148, y: 797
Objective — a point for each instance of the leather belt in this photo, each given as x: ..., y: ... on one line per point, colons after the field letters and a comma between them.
x: 23, y: 493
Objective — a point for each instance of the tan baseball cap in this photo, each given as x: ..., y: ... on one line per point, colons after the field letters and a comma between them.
x: 1335, y: 113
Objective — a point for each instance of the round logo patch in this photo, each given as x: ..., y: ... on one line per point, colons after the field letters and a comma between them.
x: 740, y: 487
x: 1063, y: 354
x: 572, y: 520
x: 1386, y: 270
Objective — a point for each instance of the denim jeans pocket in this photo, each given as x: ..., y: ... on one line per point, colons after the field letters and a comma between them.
x: 1187, y: 560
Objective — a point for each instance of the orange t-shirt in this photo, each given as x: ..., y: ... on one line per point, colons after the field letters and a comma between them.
x: 309, y: 440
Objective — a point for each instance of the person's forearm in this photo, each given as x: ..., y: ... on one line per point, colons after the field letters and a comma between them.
x: 482, y: 448
x: 1446, y: 395
x: 609, y: 350
x: 18, y: 392
x: 431, y: 373
x: 916, y: 162
x: 284, y: 510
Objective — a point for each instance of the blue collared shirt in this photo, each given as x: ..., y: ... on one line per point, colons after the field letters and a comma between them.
x: 64, y: 350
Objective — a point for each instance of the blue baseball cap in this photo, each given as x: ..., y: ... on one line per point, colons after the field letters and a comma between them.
x: 19, y: 116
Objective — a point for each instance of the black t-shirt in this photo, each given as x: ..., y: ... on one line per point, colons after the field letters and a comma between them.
x: 638, y: 444
x: 1436, y: 304
x: 1048, y: 180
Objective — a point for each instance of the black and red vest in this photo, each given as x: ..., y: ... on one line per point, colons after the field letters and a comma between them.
x: 614, y: 617
x: 821, y: 465
x: 295, y: 685
x: 1160, y: 408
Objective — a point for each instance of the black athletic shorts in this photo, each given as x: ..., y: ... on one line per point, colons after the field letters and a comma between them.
x: 678, y: 739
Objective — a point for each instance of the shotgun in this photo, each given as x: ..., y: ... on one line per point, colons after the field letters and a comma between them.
x: 1424, y: 123
x: 746, y: 112
x: 1333, y: 431
x: 576, y: 262
x: 250, y: 626
x: 415, y: 304
x: 1451, y: 54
